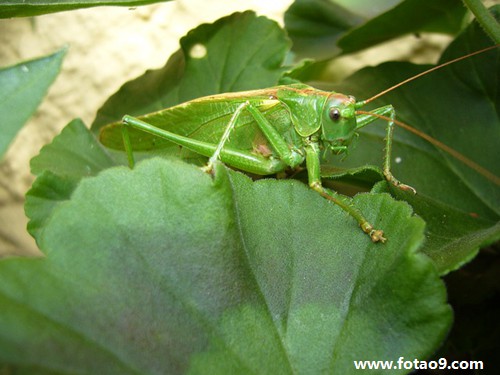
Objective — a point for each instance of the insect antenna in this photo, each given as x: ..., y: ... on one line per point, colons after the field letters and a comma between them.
x: 362, y: 103
x: 471, y: 164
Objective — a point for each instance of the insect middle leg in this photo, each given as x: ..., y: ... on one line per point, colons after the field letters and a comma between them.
x: 314, y: 174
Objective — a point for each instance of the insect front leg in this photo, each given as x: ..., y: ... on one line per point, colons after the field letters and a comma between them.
x: 387, y: 112
x: 314, y: 175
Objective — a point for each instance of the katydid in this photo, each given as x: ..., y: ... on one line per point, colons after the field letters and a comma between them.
x: 276, y: 129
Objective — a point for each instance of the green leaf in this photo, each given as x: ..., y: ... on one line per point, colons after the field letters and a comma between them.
x: 453, y: 237
x: 163, y: 269
x: 47, y: 192
x: 458, y: 106
x: 236, y: 53
x: 22, y: 88
x: 75, y: 152
x: 72, y: 155
x: 410, y: 16
x: 28, y: 8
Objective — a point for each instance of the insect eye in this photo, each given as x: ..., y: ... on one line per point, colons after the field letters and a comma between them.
x: 334, y: 114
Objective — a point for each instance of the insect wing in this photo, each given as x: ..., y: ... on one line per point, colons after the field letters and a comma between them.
x: 205, y: 119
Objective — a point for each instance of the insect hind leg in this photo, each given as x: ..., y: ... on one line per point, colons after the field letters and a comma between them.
x: 225, y: 137
x: 236, y: 158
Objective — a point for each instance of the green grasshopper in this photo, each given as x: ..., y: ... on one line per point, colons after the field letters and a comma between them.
x: 273, y: 130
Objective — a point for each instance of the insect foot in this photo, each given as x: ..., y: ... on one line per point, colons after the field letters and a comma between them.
x: 346, y: 204
x: 407, y: 188
x: 376, y: 235
x: 209, y: 168
x: 392, y: 180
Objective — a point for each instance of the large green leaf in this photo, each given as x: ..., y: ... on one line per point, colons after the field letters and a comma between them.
x: 22, y: 88
x: 163, y: 269
x: 28, y: 8
x: 236, y: 53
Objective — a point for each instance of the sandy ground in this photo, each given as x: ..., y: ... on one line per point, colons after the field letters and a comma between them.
x: 107, y: 47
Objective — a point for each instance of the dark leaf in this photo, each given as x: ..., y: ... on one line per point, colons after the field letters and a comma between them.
x: 410, y: 16
x: 315, y: 26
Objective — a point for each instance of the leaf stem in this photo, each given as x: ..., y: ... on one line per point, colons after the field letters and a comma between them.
x: 485, y: 19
